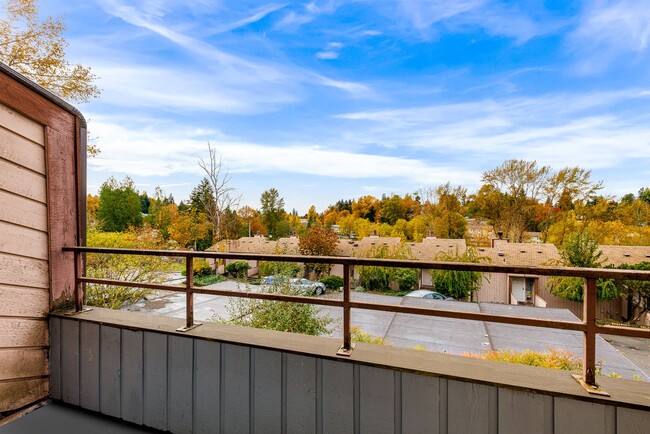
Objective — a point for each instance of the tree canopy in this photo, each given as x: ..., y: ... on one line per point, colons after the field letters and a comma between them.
x: 119, y: 205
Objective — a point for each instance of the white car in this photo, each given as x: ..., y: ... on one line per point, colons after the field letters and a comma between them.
x: 307, y: 286
x: 429, y: 295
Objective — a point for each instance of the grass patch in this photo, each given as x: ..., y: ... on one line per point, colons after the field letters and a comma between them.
x: 208, y: 280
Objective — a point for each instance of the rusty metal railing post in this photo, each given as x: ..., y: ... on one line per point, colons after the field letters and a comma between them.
x: 588, y: 378
x: 347, y: 347
x: 189, y: 295
x: 589, y: 339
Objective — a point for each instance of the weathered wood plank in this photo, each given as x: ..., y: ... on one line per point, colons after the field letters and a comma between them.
x: 24, y: 271
x: 132, y: 375
x: 22, y: 363
x: 301, y: 393
x: 28, y: 302
x: 377, y: 400
x: 235, y: 401
x: 109, y: 371
x: 16, y: 332
x: 522, y: 411
x: 179, y: 408
x: 23, y: 211
x: 22, y: 182
x: 21, y: 151
x: 22, y: 241
x: 420, y: 403
x: 22, y: 125
x: 630, y: 421
x: 338, y: 397
x: 267, y: 388
x: 70, y: 361
x: 471, y: 408
x: 207, y: 378
x: 572, y: 416
x: 55, y: 358
x: 89, y: 366
x: 62, y: 190
x: 155, y: 380
x: 16, y: 394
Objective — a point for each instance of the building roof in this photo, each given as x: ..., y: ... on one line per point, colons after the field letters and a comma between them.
x: 618, y: 255
x: 521, y: 254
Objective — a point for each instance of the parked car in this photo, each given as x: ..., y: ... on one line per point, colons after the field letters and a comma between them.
x: 309, y: 287
x: 430, y: 295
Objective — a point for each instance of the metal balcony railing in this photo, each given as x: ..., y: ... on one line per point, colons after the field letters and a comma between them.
x: 588, y: 326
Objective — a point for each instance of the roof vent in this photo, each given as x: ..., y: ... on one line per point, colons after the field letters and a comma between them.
x: 356, y: 244
x: 481, y: 249
x: 627, y: 255
x: 500, y: 253
x: 523, y: 251
x: 539, y: 251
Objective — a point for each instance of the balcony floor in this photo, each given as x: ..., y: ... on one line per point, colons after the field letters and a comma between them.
x: 56, y: 418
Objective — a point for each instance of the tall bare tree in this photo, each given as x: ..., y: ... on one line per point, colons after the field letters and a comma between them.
x: 219, y: 179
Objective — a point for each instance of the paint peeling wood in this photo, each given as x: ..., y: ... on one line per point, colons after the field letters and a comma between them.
x: 23, y: 241
x: 22, y: 363
x: 22, y: 182
x: 55, y: 358
x: 21, y: 151
x: 18, y: 333
x: 26, y: 302
x: 70, y: 362
x: 20, y: 271
x: 17, y: 394
x: 19, y: 124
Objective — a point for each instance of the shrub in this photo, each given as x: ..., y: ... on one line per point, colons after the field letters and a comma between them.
x: 359, y: 335
x: 379, y: 278
x: 406, y: 278
x: 238, y: 269
x: 332, y: 282
x: 278, y: 315
x: 554, y: 359
x: 272, y: 268
x: 201, y: 268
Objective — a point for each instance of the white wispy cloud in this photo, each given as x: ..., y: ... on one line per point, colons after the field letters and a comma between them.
x: 327, y: 55
x: 608, y: 30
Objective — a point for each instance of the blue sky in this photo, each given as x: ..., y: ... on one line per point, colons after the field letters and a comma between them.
x: 328, y: 100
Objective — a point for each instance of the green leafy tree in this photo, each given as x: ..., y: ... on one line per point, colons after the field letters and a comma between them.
x: 379, y: 278
x: 581, y: 250
x: 392, y: 209
x: 272, y: 212
x: 456, y: 283
x: 132, y: 268
x: 644, y: 195
x: 119, y: 205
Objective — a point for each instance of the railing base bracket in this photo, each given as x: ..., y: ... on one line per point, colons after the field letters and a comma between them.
x: 345, y: 352
x: 77, y: 312
x: 594, y: 390
x: 187, y: 329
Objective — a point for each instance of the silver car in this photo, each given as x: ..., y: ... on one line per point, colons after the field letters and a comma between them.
x: 308, y: 287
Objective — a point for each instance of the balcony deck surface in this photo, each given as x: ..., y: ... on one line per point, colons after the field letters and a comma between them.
x: 55, y: 418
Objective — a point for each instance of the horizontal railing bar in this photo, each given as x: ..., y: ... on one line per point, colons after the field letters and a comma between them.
x: 459, y: 266
x: 630, y: 332
x: 198, y: 290
x: 474, y: 316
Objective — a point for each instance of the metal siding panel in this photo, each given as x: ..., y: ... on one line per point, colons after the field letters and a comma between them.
x: 338, y: 397
x: 470, y: 408
x: 524, y: 411
x: 109, y: 371
x: 155, y: 380
x: 207, y: 371
x: 235, y: 400
x: 630, y: 421
x: 572, y: 416
x: 179, y: 408
x: 55, y: 358
x: 420, y: 404
x: 89, y: 366
x: 132, y: 376
x: 301, y: 394
x: 267, y: 388
x: 70, y: 361
x: 377, y: 397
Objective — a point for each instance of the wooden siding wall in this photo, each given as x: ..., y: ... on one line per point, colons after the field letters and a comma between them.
x: 24, y: 271
x: 189, y: 385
